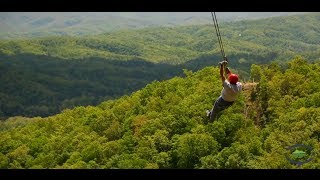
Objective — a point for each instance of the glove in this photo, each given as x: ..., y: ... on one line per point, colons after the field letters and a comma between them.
x: 223, y: 63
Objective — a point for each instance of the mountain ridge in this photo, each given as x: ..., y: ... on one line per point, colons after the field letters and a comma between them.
x: 39, y: 24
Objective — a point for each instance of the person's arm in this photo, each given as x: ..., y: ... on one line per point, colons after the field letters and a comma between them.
x: 228, y: 72
x: 222, y: 66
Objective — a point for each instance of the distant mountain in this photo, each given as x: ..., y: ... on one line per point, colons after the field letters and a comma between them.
x: 39, y: 24
x: 42, y: 76
x: 276, y: 36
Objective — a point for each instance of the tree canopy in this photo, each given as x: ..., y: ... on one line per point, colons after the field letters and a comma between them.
x: 162, y: 126
x: 42, y: 76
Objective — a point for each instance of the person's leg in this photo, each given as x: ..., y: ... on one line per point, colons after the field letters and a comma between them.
x: 219, y: 105
x: 215, y: 109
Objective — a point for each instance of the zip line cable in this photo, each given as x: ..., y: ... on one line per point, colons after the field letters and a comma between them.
x: 216, y: 26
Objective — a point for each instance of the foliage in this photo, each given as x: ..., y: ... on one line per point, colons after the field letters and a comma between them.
x: 162, y: 126
x: 43, y: 76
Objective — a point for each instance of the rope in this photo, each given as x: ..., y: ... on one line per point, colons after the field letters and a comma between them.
x: 216, y: 26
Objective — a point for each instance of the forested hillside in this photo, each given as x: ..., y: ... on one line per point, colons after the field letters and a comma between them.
x: 41, y: 77
x: 43, y: 85
x: 164, y: 126
x: 278, y: 36
x: 14, y: 25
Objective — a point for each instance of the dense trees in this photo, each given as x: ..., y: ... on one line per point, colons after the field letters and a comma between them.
x: 269, y: 38
x: 43, y: 76
x: 41, y: 85
x: 162, y: 126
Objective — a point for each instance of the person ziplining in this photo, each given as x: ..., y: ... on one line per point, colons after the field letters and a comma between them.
x: 231, y: 85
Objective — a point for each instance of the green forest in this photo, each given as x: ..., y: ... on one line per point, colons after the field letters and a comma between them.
x: 43, y: 76
x: 43, y: 85
x: 278, y: 36
x: 163, y: 125
x: 137, y: 99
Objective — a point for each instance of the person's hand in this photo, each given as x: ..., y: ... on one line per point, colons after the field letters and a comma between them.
x: 223, y: 63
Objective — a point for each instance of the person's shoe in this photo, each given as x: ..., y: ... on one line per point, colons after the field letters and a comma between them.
x: 208, y: 113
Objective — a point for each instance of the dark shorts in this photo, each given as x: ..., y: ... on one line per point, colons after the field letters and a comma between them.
x: 222, y: 104
x: 219, y: 105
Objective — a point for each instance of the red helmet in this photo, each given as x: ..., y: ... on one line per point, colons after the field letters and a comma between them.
x: 233, y: 78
